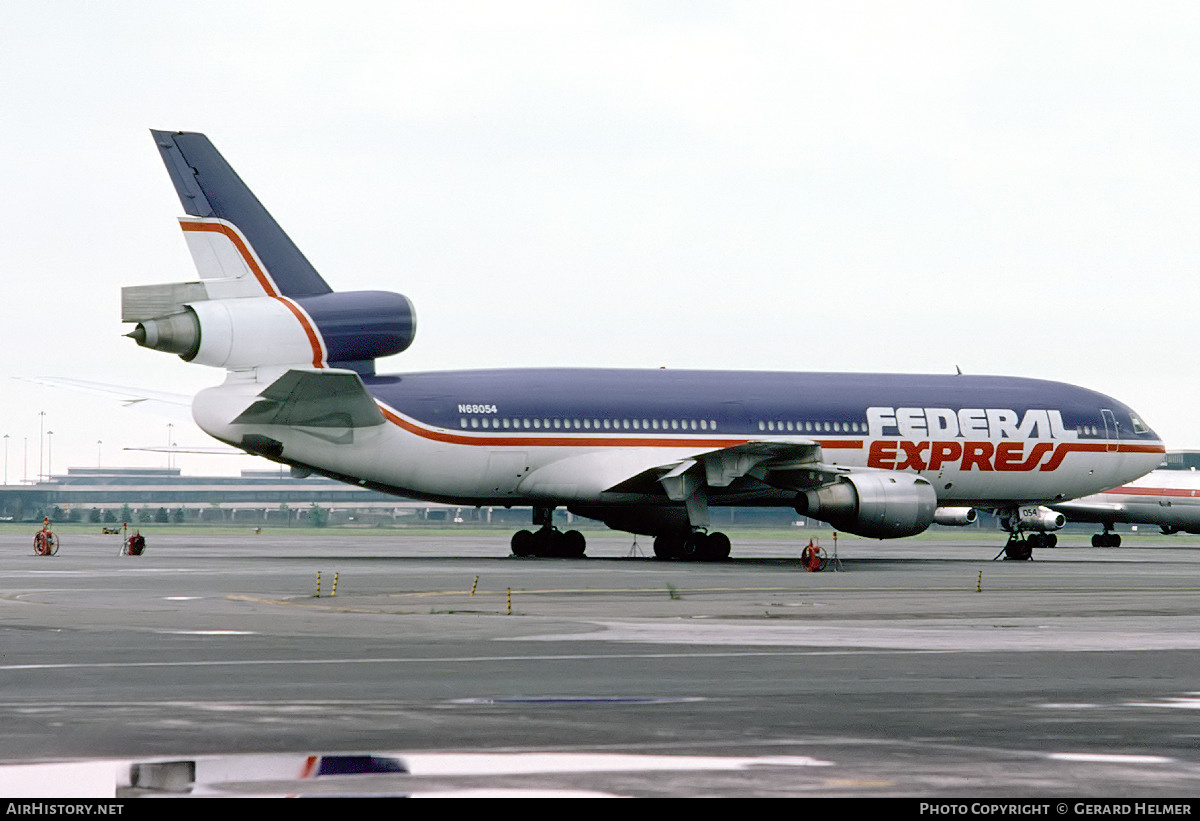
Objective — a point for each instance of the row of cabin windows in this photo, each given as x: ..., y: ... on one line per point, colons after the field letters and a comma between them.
x: 524, y: 423
x: 814, y: 427
x: 861, y: 427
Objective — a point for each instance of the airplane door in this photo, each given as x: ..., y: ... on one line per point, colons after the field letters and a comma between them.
x: 733, y: 415
x: 1111, y: 430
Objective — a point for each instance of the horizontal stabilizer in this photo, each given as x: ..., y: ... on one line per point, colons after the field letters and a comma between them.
x: 314, y: 399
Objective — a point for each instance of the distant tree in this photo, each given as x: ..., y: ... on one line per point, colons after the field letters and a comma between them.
x: 126, y: 513
x: 73, y: 515
x: 94, y: 515
x: 161, y: 516
x: 109, y: 517
x: 144, y: 515
x: 317, y: 516
x: 177, y: 515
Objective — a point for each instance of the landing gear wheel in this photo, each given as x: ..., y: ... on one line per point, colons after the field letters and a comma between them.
x: 692, y: 547
x: 571, y: 545
x: 522, y: 543
x: 716, y: 548
x: 1106, y: 539
x: 668, y: 546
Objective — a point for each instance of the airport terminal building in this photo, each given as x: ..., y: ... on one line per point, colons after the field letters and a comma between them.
x: 164, y: 494
x: 258, y: 498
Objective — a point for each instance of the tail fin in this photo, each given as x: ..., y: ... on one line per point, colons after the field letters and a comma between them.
x: 218, y: 201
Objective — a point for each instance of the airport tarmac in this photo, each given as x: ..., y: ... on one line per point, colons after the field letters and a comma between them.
x: 921, y: 668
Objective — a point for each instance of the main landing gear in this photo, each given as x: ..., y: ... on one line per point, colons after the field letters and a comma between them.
x: 548, y: 541
x: 1019, y: 549
x: 693, y: 546
x: 1022, y: 549
x: 1106, y: 539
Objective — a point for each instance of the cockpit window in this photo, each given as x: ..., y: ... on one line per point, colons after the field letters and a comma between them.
x: 1138, y: 425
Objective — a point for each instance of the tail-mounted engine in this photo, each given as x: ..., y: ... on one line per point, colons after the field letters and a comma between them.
x: 345, y: 329
x: 878, y: 506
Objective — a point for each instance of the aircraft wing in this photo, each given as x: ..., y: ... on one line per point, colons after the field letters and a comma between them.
x: 784, y: 465
x: 1081, y: 510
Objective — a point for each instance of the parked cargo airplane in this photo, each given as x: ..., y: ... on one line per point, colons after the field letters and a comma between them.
x: 646, y: 451
x: 1167, y: 498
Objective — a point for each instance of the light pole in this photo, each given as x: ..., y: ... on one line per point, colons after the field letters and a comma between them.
x: 98, y: 444
x: 49, y: 453
x: 41, y: 440
x: 6, y: 459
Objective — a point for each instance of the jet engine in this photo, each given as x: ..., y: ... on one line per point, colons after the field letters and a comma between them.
x: 339, y: 328
x: 955, y: 516
x: 875, y: 505
x: 1033, y: 518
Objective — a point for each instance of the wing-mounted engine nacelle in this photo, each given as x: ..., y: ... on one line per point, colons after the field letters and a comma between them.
x: 877, y: 506
x: 1033, y: 518
x: 246, y: 332
x: 955, y: 516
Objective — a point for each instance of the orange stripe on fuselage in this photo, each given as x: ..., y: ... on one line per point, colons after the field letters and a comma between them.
x: 1062, y: 450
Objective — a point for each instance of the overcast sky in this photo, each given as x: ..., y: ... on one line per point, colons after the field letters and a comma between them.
x: 1006, y: 187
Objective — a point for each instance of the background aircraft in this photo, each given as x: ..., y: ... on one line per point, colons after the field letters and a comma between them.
x: 1167, y: 498
x: 647, y: 451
